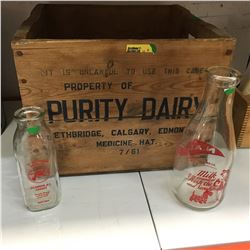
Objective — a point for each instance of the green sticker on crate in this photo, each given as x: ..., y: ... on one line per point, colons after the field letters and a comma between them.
x: 141, y: 48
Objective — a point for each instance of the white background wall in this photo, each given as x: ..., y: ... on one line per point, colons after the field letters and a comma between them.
x: 233, y: 17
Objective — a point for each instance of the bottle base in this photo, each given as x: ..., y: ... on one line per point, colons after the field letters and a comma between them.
x: 41, y: 208
x: 198, y: 208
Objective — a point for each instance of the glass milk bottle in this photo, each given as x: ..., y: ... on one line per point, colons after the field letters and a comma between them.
x: 204, y: 155
x: 36, y: 160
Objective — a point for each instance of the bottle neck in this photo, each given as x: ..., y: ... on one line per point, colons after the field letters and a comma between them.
x: 219, y: 92
x: 30, y: 119
x: 215, y: 100
x: 29, y: 123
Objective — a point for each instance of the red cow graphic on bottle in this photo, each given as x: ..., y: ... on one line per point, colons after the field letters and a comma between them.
x: 197, y: 147
x: 39, y: 171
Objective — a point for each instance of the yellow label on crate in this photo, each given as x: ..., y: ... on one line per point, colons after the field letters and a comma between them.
x: 141, y: 48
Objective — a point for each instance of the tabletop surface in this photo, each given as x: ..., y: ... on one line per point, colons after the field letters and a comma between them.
x: 122, y: 211
x: 179, y: 227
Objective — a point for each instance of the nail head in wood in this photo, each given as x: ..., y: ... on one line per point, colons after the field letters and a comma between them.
x: 19, y: 53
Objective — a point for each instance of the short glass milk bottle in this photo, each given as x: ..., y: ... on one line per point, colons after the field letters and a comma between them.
x: 204, y: 155
x: 36, y: 160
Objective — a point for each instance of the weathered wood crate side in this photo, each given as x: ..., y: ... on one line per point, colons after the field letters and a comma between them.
x: 111, y: 110
x: 241, y: 118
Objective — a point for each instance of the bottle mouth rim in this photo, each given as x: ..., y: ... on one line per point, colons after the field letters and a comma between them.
x: 29, y: 113
x: 227, y: 76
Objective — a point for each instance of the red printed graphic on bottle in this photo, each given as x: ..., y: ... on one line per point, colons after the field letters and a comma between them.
x: 39, y: 171
x: 197, y: 147
x: 201, y: 198
x: 208, y: 182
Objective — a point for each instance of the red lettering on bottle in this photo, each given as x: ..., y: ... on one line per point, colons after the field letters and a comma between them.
x: 204, y: 180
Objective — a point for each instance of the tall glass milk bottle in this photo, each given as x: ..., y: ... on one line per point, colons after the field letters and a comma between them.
x: 204, y: 156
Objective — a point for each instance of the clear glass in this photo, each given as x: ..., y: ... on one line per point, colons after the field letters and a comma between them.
x: 36, y: 160
x: 205, y: 153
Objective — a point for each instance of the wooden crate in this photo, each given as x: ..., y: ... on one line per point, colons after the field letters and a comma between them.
x: 118, y: 83
x: 241, y: 117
